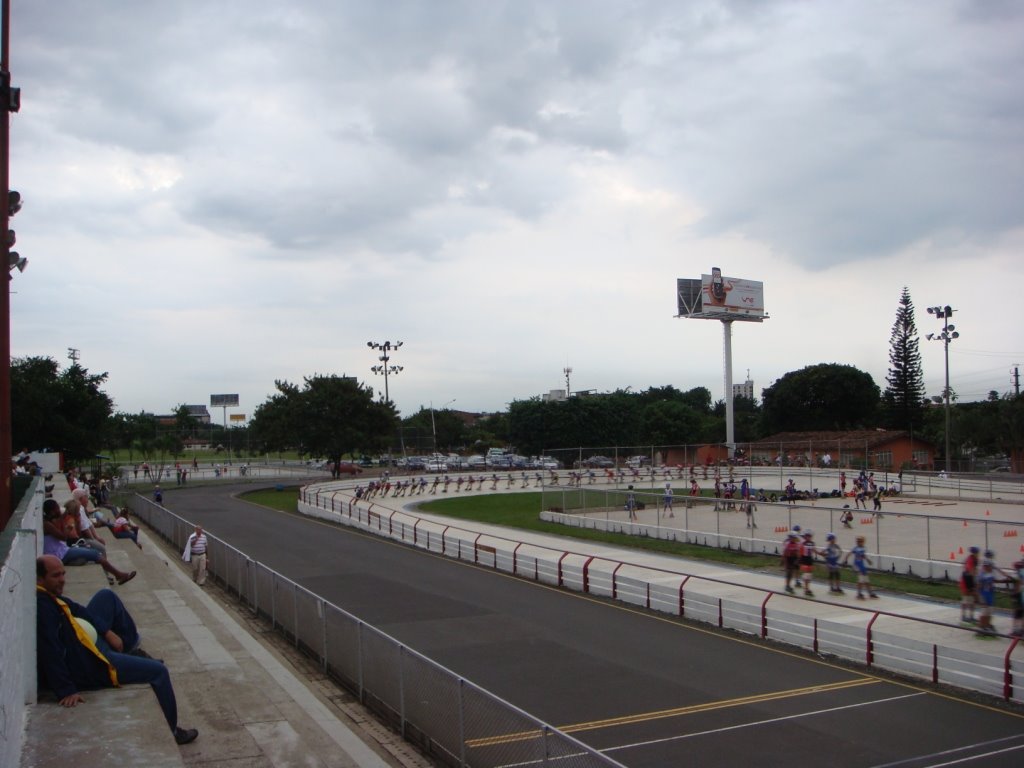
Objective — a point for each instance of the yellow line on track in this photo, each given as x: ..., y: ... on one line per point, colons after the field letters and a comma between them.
x: 644, y: 717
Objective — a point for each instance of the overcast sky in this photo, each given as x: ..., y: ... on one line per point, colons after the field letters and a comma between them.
x: 219, y: 194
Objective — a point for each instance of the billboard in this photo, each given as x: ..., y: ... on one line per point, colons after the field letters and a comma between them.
x: 236, y: 417
x: 223, y: 401
x: 723, y: 297
x: 688, y: 297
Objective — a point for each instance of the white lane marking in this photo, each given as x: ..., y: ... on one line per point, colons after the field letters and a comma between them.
x: 948, y: 752
x: 761, y: 722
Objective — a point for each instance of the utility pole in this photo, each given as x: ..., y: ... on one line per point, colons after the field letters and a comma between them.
x: 10, y: 101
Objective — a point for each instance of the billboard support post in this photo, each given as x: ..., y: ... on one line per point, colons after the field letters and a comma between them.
x: 728, y: 299
x: 225, y: 402
x: 730, y: 424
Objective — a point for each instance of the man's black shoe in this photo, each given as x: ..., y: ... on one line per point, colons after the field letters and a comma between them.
x: 185, y: 735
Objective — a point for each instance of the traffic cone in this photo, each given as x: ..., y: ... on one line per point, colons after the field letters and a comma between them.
x: 987, y: 513
x: 965, y: 523
x: 961, y: 550
x: 952, y: 555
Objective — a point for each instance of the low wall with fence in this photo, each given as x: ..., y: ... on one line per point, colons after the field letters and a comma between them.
x: 875, y: 638
x: 448, y: 717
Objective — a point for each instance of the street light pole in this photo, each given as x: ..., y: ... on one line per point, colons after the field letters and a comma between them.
x: 385, y: 368
x: 949, y: 333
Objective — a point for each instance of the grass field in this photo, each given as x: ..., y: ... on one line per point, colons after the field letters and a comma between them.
x: 521, y: 510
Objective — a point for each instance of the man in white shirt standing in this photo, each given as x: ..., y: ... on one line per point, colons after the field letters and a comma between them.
x: 196, y: 553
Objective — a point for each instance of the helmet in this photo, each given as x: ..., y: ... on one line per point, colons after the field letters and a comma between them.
x: 808, y: 532
x: 831, y: 537
x: 975, y: 550
x: 796, y: 528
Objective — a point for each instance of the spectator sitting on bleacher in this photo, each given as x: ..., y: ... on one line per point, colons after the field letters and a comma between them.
x: 55, y: 543
x: 78, y: 508
x: 123, y: 528
x: 96, y: 646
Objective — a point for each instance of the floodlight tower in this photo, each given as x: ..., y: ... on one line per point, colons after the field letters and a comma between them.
x: 729, y: 300
x: 949, y: 332
x: 385, y: 368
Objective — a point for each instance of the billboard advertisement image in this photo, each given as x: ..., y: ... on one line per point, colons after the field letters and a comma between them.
x: 723, y: 296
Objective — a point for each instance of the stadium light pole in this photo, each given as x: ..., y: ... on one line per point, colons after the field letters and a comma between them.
x: 949, y: 333
x: 385, y: 367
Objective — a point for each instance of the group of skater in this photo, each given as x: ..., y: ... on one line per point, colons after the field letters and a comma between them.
x: 800, y: 551
x: 417, y: 486
x: 979, y: 576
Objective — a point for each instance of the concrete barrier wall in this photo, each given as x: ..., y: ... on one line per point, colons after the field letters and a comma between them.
x: 20, y: 544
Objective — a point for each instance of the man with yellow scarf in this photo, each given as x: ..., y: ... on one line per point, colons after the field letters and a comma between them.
x: 96, y: 646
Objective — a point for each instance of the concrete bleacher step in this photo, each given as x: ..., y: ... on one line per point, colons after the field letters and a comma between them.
x: 122, y: 726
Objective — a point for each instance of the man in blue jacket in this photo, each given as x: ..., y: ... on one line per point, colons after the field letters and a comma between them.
x: 96, y: 646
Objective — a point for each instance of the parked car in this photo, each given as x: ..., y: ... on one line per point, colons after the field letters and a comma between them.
x: 475, y: 462
x: 348, y: 468
x: 635, y: 462
x: 547, y: 462
x: 413, y: 463
x: 435, y: 465
x: 599, y: 462
x: 455, y: 462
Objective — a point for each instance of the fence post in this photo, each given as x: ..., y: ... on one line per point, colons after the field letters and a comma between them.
x: 323, y: 634
x: 401, y: 688
x: 462, y: 722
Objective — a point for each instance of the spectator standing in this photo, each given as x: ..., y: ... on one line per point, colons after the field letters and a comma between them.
x: 196, y: 553
x: 667, y: 500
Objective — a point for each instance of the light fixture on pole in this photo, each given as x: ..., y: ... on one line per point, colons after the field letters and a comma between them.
x: 949, y: 333
x: 385, y: 367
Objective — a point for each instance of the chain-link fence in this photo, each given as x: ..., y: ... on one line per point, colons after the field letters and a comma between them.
x: 446, y: 716
x: 903, y: 541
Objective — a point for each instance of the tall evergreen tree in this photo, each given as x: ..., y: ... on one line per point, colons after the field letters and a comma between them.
x: 903, y: 399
